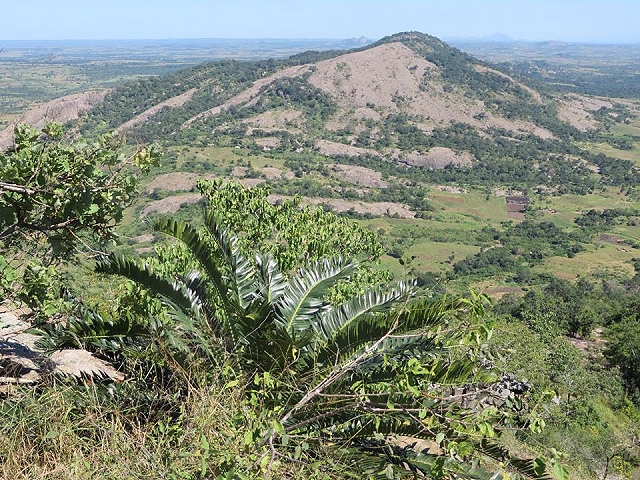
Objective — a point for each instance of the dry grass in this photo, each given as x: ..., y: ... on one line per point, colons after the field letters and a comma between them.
x: 63, y: 431
x: 389, y: 209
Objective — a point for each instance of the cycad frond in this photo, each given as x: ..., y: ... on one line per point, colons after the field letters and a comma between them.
x: 422, y: 319
x: 303, y: 296
x: 199, y: 248
x: 272, y: 281
x: 85, y: 327
x: 373, y: 300
x: 175, y: 294
x: 242, y: 291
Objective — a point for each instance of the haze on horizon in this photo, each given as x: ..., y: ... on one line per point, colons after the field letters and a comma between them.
x: 597, y: 21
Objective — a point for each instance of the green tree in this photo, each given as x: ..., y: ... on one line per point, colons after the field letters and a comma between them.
x: 623, y: 350
x: 58, y: 197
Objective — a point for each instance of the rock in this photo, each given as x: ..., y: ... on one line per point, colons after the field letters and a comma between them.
x: 21, y: 362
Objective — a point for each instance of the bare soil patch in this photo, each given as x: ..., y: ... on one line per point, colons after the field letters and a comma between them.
x: 147, y: 237
x: 361, y: 78
x: 436, y: 158
x: 606, y: 237
x: 498, y: 292
x: 61, y: 110
x: 331, y: 149
x: 276, y: 120
x: 173, y: 182
x: 577, y: 110
x: 516, y: 206
x: 268, y: 142
x: 339, y: 205
x: 273, y: 173
x: 251, y: 182
x: 170, y: 204
x: 359, y: 175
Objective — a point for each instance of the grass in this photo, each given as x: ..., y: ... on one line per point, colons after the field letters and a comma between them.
x: 224, y: 157
x: 632, y: 128
x: 435, y: 256
x: 563, y: 210
x: 472, y: 206
x: 602, y: 259
x: 606, y: 149
x: 66, y: 431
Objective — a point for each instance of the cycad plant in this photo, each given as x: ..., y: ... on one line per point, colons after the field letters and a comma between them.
x: 388, y: 381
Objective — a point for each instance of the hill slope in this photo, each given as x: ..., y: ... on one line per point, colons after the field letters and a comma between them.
x: 409, y: 98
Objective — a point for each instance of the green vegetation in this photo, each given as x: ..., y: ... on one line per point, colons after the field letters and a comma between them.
x: 268, y: 339
x: 314, y: 376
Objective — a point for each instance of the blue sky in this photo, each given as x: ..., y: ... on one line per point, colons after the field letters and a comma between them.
x: 567, y: 20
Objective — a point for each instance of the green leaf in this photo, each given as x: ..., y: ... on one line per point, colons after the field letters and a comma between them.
x: 560, y: 472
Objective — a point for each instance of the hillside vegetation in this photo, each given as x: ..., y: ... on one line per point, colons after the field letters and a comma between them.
x: 334, y: 346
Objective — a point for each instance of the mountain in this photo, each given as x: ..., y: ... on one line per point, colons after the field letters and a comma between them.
x: 408, y: 97
x: 407, y: 100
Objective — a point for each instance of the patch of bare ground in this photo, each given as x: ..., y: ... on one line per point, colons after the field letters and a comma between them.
x: 358, y: 175
x: 392, y: 77
x: 147, y: 237
x: 497, y: 293
x: 170, y: 204
x: 339, y: 205
x: 172, y: 102
x: 450, y: 189
x: 577, y: 110
x: 239, y: 172
x: 251, y: 182
x: 607, y: 237
x: 250, y: 94
x: 435, y: 158
x: 375, y: 76
x: 275, y: 120
x: 268, y: 143
x: 592, y: 347
x: 61, y: 110
x: 516, y: 206
x: 273, y: 173
x: 332, y: 149
x: 173, y: 182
